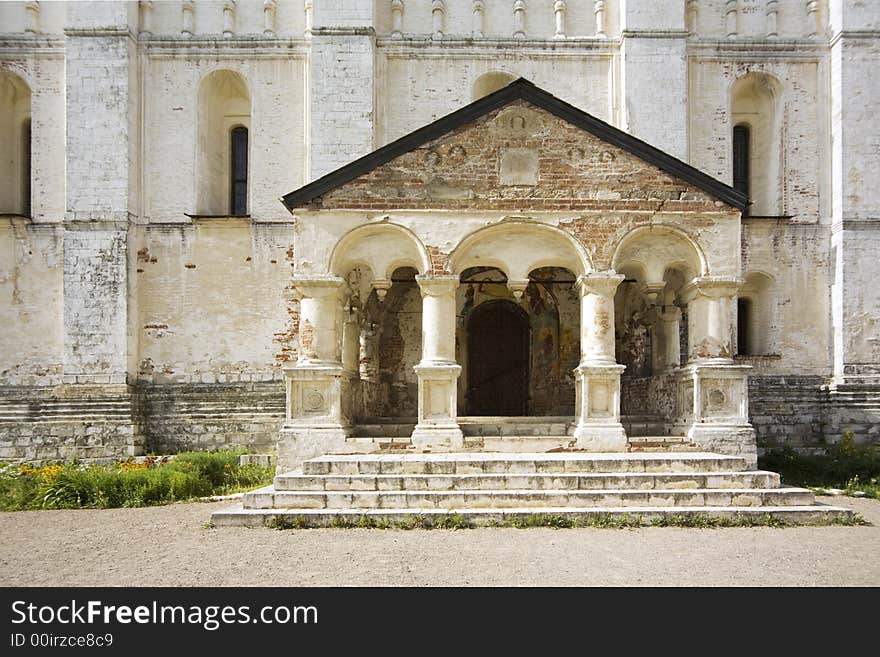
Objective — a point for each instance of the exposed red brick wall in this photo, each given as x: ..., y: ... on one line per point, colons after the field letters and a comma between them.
x: 577, y: 171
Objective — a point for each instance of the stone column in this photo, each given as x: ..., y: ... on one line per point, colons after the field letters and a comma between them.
x: 597, y: 377
x: 713, y: 391
x: 351, y: 338
x: 709, y: 300
x: 670, y: 322
x: 438, y: 372
x: 317, y: 420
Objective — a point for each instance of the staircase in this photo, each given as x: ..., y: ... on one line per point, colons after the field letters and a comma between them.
x: 485, y: 488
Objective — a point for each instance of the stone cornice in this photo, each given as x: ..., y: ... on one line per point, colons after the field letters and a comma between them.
x: 239, y: 47
x: 757, y: 50
x: 867, y: 224
x: 99, y: 32
x: 654, y: 34
x: 854, y: 34
x: 499, y: 48
x: 31, y: 44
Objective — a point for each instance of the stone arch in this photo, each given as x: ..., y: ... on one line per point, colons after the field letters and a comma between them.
x: 756, y: 103
x: 517, y: 248
x: 490, y: 82
x: 382, y: 248
x: 15, y: 144
x: 655, y: 248
x: 224, y: 105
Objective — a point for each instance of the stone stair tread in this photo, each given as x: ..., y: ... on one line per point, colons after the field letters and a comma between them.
x: 256, y: 517
x: 537, y: 481
x: 548, y: 510
x: 533, y: 491
x: 523, y: 456
x: 473, y: 475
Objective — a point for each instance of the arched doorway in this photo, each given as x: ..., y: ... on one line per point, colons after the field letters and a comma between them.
x: 498, y: 359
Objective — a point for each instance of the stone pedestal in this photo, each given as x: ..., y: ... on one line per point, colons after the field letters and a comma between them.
x: 597, y: 408
x: 317, y: 419
x: 438, y: 408
x: 714, y: 405
x: 597, y: 377
x: 438, y: 372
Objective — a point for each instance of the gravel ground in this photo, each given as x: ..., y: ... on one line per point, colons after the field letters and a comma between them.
x: 171, y: 546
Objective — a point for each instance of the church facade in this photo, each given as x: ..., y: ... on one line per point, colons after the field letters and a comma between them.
x: 340, y: 227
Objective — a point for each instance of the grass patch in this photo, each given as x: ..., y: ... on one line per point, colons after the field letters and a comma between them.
x: 847, y: 466
x: 128, y: 483
x: 558, y: 521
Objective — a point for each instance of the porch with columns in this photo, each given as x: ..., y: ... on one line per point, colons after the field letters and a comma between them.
x: 710, y: 396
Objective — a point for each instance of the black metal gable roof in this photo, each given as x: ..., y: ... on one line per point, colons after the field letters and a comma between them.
x: 516, y: 90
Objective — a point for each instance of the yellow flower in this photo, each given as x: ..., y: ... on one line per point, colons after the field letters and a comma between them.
x: 50, y: 471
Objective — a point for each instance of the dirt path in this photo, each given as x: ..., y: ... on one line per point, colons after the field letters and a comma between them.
x: 170, y: 546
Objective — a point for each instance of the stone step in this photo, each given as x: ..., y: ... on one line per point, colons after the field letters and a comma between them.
x: 639, y: 429
x: 660, y: 444
x: 602, y: 481
x: 384, y: 430
x: 521, y: 463
x: 269, y: 498
x: 519, y: 443
x: 525, y: 426
x: 237, y: 517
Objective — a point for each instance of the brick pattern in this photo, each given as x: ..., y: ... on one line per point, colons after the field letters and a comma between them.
x: 577, y: 171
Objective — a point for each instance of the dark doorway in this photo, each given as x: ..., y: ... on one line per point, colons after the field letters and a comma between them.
x: 498, y: 359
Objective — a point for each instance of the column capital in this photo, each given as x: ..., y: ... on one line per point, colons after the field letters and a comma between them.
x: 714, y: 287
x: 437, y: 286
x: 669, y: 314
x: 601, y: 283
x: 315, y: 287
x: 518, y: 287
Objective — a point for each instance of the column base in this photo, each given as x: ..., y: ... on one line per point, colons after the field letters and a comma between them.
x: 438, y: 428
x: 609, y: 437
x: 597, y: 404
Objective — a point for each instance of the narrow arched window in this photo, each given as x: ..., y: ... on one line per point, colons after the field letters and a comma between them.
x: 26, y: 169
x: 743, y: 326
x: 741, y: 138
x: 239, y: 171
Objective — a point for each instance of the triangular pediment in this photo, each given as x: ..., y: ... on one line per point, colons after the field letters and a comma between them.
x: 520, y: 148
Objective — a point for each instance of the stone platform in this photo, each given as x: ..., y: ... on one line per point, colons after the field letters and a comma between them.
x: 487, y: 487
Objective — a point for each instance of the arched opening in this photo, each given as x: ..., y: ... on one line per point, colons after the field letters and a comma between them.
x: 239, y: 171
x: 651, y: 323
x: 741, y: 139
x: 223, y: 144
x: 490, y: 83
x: 756, y: 114
x: 15, y: 144
x: 526, y: 337
x: 755, y: 316
x: 399, y: 345
x: 744, y: 321
x: 498, y: 359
